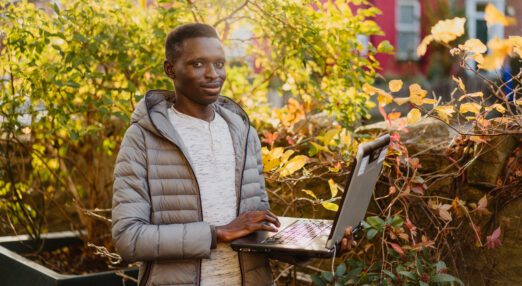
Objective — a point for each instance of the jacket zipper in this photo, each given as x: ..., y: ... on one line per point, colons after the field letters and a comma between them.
x: 198, y: 273
x: 146, y: 275
x: 238, y: 202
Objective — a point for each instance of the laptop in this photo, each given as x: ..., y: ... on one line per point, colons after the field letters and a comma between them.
x: 317, y: 237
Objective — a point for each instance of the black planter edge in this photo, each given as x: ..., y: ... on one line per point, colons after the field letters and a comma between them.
x: 44, y: 271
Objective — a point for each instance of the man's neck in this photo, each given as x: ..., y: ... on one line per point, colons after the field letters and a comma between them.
x: 195, y: 110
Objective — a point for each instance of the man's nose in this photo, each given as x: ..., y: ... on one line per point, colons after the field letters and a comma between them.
x: 211, y: 72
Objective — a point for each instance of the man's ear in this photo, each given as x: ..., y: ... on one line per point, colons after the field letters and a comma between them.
x: 168, y: 67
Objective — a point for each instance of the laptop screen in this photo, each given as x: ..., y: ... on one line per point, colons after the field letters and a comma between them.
x: 359, y: 187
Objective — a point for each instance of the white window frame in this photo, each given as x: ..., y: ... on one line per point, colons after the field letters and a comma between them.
x: 472, y: 15
x: 400, y: 27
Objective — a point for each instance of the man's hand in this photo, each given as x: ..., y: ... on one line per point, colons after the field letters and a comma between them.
x: 245, y: 224
x: 348, y: 241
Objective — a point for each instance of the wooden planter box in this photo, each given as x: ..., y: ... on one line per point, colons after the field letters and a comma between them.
x: 18, y: 270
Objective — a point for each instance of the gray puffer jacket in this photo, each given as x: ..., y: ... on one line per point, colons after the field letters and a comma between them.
x: 156, y: 211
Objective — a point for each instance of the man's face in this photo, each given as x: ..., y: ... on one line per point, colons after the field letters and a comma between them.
x: 199, y: 70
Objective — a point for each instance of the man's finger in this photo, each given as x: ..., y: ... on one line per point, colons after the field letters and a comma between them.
x: 348, y: 231
x: 268, y: 227
x: 344, y: 245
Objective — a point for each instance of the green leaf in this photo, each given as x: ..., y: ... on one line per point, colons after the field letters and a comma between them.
x: 410, y: 275
x: 397, y: 221
x: 420, y: 269
x: 440, y: 265
x: 442, y: 277
x: 372, y: 233
x: 389, y: 273
x: 422, y: 283
x: 317, y: 280
x: 341, y: 269
x: 328, y: 276
x: 425, y: 252
x: 376, y: 222
x: 353, y: 273
x: 385, y: 47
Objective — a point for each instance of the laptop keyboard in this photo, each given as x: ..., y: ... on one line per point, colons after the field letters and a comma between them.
x: 299, y: 232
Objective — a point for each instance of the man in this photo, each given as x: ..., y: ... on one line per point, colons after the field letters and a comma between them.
x: 189, y: 177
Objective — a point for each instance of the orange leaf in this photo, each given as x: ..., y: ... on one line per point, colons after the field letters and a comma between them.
x: 293, y: 165
x: 416, y: 89
x: 474, y: 94
x: 397, y: 248
x: 474, y: 46
x: 395, y: 85
x: 470, y: 107
x: 413, y: 116
x: 448, y: 30
x: 333, y: 187
x: 445, y: 112
x: 401, y: 100
x: 423, y: 46
x: 394, y: 115
x: 460, y: 83
x: 493, y: 16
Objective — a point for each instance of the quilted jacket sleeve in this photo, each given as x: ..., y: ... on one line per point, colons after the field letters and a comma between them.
x: 264, y: 198
x: 134, y: 236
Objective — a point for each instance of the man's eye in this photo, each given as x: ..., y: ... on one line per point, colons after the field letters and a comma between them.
x: 197, y: 64
x: 220, y: 65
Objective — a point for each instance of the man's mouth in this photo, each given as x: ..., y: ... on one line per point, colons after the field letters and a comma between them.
x: 211, y: 88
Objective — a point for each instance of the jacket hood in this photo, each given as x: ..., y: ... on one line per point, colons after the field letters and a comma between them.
x: 152, y: 109
x: 152, y: 115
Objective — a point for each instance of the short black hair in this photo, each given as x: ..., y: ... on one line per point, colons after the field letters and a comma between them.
x: 176, y: 37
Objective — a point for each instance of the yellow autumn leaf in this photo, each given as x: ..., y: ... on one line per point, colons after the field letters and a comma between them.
x: 429, y: 101
x: 474, y: 94
x: 276, y: 153
x: 445, y: 112
x: 293, y: 165
x: 320, y: 147
x: 474, y: 46
x: 459, y: 82
x: 519, y: 101
x: 415, y: 89
x: 330, y: 206
x: 310, y: 193
x: 287, y: 155
x: 413, y: 116
x: 415, y: 99
x: 516, y: 42
x: 333, y: 187
x: 494, y: 16
x: 499, y: 50
x: 271, y: 165
x: 26, y: 130
x: 329, y: 135
x: 383, y: 97
x: 479, y: 58
x: 370, y: 90
x: 448, y: 30
x: 346, y: 139
x: 470, y: 107
x: 423, y: 46
x: 496, y: 106
x: 265, y: 154
x: 401, y: 100
x: 395, y: 85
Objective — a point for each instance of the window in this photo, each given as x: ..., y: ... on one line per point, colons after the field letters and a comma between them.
x: 408, y: 29
x: 476, y: 24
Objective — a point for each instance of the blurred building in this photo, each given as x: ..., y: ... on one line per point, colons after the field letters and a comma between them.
x: 406, y: 22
